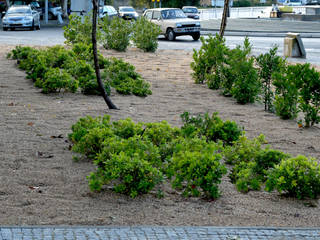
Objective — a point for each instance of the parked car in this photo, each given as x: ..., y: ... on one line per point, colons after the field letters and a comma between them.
x: 293, y: 3
x: 21, y: 17
x: 128, y: 13
x: 173, y: 22
x: 191, y: 12
x: 313, y: 2
x: 53, y: 10
x: 108, y: 11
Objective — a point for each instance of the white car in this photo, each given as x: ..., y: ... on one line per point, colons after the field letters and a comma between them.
x: 128, y: 13
x: 173, y: 22
x: 21, y: 17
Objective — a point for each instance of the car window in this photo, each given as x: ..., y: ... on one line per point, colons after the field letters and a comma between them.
x: 190, y: 10
x: 156, y: 15
x: 172, y: 14
x: 19, y: 10
x: 148, y: 15
x: 126, y: 9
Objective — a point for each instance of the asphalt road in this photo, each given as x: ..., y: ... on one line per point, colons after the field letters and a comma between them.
x: 54, y: 35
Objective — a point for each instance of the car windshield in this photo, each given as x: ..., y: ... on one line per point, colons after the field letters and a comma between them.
x: 190, y: 10
x: 172, y: 14
x: 19, y: 11
x: 126, y: 10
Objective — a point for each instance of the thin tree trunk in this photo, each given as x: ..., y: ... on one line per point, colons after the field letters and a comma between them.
x: 95, y: 56
x: 65, y: 8
x: 8, y: 4
x: 224, y: 18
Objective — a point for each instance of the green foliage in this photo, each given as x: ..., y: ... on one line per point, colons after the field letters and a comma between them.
x: 116, y: 33
x: 269, y: 63
x: 125, y: 79
x: 56, y: 79
x: 244, y: 150
x: 134, y: 175
x: 209, y: 60
x: 251, y: 175
x: 126, y: 128
x: 299, y: 177
x: 145, y: 35
x: 308, y: 81
x: 79, y: 30
x: 246, y: 84
x: 212, y: 128
x: 198, y: 172
x: 57, y: 68
x: 287, y: 93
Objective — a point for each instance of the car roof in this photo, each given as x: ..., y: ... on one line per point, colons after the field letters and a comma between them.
x: 160, y: 9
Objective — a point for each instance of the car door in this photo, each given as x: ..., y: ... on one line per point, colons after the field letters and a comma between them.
x: 157, y: 19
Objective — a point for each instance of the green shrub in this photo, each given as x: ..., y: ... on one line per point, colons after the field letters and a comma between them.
x: 299, y: 177
x: 79, y: 30
x: 116, y: 33
x: 208, y: 60
x: 308, y: 81
x: 287, y: 93
x: 125, y: 79
x: 56, y: 79
x: 145, y: 35
x: 83, y: 126
x: 131, y: 175
x: 243, y: 150
x: 198, y: 172
x: 213, y: 128
x: 251, y: 175
x: 269, y: 63
x: 126, y: 128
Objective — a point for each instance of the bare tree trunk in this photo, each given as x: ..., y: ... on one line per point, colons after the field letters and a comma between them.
x: 65, y: 8
x: 8, y: 4
x: 95, y: 56
x: 224, y: 18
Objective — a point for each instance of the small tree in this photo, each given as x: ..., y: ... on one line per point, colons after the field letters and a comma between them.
x: 95, y: 56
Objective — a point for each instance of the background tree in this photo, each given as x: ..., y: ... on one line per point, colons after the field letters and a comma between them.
x: 224, y: 18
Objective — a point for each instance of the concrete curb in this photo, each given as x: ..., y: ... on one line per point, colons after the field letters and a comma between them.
x: 258, y: 33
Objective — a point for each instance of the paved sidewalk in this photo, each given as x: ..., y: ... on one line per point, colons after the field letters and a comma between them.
x: 155, y: 233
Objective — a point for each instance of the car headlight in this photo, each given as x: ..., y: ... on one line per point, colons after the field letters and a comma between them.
x: 179, y: 25
x: 136, y: 14
x: 4, y: 19
x: 198, y: 24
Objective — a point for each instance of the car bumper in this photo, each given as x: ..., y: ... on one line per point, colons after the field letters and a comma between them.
x: 186, y: 31
x: 17, y: 24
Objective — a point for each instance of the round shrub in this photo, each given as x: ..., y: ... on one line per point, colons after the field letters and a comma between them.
x: 299, y: 177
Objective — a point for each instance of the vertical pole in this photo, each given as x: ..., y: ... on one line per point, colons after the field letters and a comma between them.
x: 46, y: 11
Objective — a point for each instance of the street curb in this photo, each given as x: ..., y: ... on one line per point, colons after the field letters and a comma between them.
x: 258, y: 33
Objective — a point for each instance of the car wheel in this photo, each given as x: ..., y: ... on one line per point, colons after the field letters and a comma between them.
x: 33, y: 27
x: 196, y: 36
x: 171, y: 36
x: 5, y: 29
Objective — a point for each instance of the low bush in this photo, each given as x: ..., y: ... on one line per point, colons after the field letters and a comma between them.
x: 116, y: 33
x: 212, y: 128
x: 299, y: 177
x: 145, y: 35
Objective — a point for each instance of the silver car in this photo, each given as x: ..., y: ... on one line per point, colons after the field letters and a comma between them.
x: 21, y: 17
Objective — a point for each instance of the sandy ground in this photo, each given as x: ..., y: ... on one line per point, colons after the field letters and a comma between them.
x: 40, y: 184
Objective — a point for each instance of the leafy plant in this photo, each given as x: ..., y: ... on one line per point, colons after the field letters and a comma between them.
x: 198, y: 172
x: 56, y: 79
x: 145, y: 35
x: 133, y: 175
x: 287, y: 93
x: 308, y: 81
x: 116, y: 33
x: 213, y: 128
x: 269, y: 63
x: 299, y: 177
x: 208, y: 61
